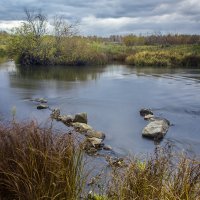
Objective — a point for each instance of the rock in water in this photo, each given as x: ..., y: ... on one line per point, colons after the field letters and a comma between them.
x: 149, y: 117
x: 55, y: 113
x: 156, y: 129
x: 80, y: 117
x: 107, y: 147
x: 42, y: 106
x: 66, y: 119
x: 40, y: 100
x: 96, y: 134
x: 81, y: 127
x: 95, y: 141
x: 145, y: 111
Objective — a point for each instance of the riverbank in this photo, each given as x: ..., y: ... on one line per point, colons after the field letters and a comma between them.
x: 79, y: 51
x: 39, y: 162
x: 27, y: 49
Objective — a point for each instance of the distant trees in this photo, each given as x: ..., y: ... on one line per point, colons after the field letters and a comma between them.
x: 156, y: 38
x: 159, y: 39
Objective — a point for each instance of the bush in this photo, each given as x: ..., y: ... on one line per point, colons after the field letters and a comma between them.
x: 77, y: 51
x: 37, y: 163
x: 162, y: 176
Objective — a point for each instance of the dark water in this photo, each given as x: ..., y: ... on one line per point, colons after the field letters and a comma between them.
x: 112, y: 96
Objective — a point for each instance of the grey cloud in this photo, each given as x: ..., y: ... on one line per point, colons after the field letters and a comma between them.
x: 96, y: 16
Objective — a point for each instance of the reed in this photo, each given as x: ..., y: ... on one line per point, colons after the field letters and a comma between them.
x: 163, y: 175
x: 37, y: 163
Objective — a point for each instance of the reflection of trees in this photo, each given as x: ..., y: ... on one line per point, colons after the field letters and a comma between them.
x: 57, y: 78
x: 60, y: 73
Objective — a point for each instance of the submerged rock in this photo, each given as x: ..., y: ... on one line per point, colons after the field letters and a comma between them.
x: 107, y: 147
x: 145, y: 111
x: 40, y: 100
x: 80, y: 117
x: 96, y: 134
x: 42, y: 106
x: 156, y: 129
x: 81, y: 127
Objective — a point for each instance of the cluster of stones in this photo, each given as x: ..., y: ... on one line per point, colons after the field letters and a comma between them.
x: 42, y: 103
x: 156, y: 128
x: 93, y: 139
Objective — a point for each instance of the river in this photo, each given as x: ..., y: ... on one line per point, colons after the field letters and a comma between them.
x: 112, y: 96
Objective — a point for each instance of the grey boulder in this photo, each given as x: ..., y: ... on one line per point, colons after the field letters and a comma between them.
x: 95, y: 141
x: 156, y: 129
x: 66, y: 119
x: 81, y: 127
x: 42, y: 106
x: 96, y: 134
x: 80, y: 117
x: 145, y: 111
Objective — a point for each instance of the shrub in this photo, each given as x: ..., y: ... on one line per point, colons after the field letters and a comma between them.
x: 37, y: 163
x: 162, y: 176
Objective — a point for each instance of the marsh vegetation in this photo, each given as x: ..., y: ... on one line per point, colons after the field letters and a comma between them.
x: 38, y: 163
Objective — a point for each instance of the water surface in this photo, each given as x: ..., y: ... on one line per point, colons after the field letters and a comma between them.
x: 112, y: 96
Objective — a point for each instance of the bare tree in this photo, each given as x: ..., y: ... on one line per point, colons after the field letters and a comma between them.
x: 61, y: 30
x: 35, y: 23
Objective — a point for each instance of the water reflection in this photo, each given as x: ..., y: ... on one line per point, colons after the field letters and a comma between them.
x: 60, y: 73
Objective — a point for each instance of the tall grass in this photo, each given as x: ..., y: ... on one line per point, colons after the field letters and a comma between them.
x: 37, y: 163
x: 161, y: 176
x: 164, y: 58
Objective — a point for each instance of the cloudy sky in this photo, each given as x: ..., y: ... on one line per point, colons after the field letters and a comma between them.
x: 106, y: 17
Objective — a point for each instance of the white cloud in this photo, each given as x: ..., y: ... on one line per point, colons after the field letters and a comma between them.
x: 8, y: 25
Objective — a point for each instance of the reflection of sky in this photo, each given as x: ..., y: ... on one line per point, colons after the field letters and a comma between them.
x: 112, y: 99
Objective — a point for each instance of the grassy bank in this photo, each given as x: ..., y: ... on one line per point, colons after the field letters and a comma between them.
x: 83, y: 51
x: 80, y: 51
x: 163, y: 175
x: 37, y: 163
x: 182, y: 56
x: 28, y: 48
